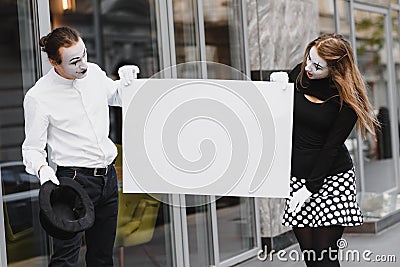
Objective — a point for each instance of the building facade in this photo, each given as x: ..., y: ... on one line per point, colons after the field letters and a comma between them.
x: 255, y: 37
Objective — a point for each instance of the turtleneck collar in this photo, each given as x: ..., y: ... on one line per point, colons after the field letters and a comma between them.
x: 59, y: 79
x: 322, y: 89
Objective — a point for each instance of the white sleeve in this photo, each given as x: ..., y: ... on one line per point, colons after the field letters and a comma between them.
x: 113, y: 89
x: 33, y: 148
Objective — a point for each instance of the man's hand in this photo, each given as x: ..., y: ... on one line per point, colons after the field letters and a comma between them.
x: 46, y: 173
x: 127, y: 73
x: 298, y: 199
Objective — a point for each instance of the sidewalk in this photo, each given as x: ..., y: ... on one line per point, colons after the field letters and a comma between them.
x: 383, y: 244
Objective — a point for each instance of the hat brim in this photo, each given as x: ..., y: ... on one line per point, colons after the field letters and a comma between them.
x: 65, y: 209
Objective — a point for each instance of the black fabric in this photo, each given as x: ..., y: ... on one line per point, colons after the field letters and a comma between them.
x: 323, y: 242
x: 319, y: 131
x: 66, y: 209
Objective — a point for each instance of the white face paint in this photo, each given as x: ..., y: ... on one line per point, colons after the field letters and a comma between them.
x: 316, y: 67
x: 74, y: 61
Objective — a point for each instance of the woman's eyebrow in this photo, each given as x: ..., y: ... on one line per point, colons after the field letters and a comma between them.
x: 318, y: 65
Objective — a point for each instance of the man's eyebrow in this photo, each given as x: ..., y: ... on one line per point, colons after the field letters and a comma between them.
x: 74, y: 58
x: 84, y: 51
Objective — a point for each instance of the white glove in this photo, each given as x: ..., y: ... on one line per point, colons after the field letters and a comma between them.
x: 298, y: 199
x: 46, y: 173
x: 127, y: 73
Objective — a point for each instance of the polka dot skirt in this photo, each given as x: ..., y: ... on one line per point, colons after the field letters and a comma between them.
x: 334, y: 204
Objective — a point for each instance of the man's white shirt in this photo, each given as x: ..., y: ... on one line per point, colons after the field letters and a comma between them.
x: 72, y: 118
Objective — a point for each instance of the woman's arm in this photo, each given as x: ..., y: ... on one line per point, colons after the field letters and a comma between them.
x: 338, y: 134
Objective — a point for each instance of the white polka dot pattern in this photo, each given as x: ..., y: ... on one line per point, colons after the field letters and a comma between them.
x: 334, y: 204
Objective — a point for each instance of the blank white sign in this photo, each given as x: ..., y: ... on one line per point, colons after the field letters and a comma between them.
x: 207, y: 137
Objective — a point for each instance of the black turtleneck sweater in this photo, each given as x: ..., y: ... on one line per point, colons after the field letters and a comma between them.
x: 319, y: 131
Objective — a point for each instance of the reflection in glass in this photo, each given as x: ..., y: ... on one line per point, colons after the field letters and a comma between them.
x: 18, y: 73
x: 223, y: 27
x: 396, y: 57
x: 199, y: 229
x: 372, y: 61
x: 326, y: 16
x: 236, y: 229
x: 187, y: 47
x: 224, y: 43
x: 142, y: 231
x: 344, y: 17
x: 25, y: 240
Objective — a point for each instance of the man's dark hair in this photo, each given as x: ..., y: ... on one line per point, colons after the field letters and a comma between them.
x: 59, y: 37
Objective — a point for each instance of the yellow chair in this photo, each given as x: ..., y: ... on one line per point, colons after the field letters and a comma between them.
x: 137, y: 216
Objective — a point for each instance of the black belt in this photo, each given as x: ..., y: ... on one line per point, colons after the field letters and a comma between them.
x: 88, y: 171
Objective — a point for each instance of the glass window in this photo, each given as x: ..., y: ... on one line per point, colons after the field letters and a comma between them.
x: 17, y: 74
x: 396, y: 62
x: 186, y: 35
x: 371, y: 48
x: 326, y: 16
x: 236, y: 227
x: 396, y: 57
x: 25, y: 240
x: 200, y: 234
x: 224, y: 43
x: 344, y: 17
x: 219, y: 36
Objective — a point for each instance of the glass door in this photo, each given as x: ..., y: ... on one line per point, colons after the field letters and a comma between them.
x: 396, y: 62
x: 372, y: 30
x: 22, y: 242
x: 224, y: 36
x: 216, y: 230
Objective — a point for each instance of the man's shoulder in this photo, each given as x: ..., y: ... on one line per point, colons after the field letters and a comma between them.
x: 40, y: 87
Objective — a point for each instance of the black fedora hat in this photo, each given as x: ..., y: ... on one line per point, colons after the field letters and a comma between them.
x: 65, y: 209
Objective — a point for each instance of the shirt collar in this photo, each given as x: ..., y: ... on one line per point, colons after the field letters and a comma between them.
x: 59, y: 79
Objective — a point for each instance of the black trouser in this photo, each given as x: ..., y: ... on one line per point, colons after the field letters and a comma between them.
x: 103, y: 191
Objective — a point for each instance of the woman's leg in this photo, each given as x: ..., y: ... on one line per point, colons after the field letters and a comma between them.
x: 304, y: 236
x: 325, y: 245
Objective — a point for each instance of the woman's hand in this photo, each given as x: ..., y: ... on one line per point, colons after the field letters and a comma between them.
x: 298, y: 199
